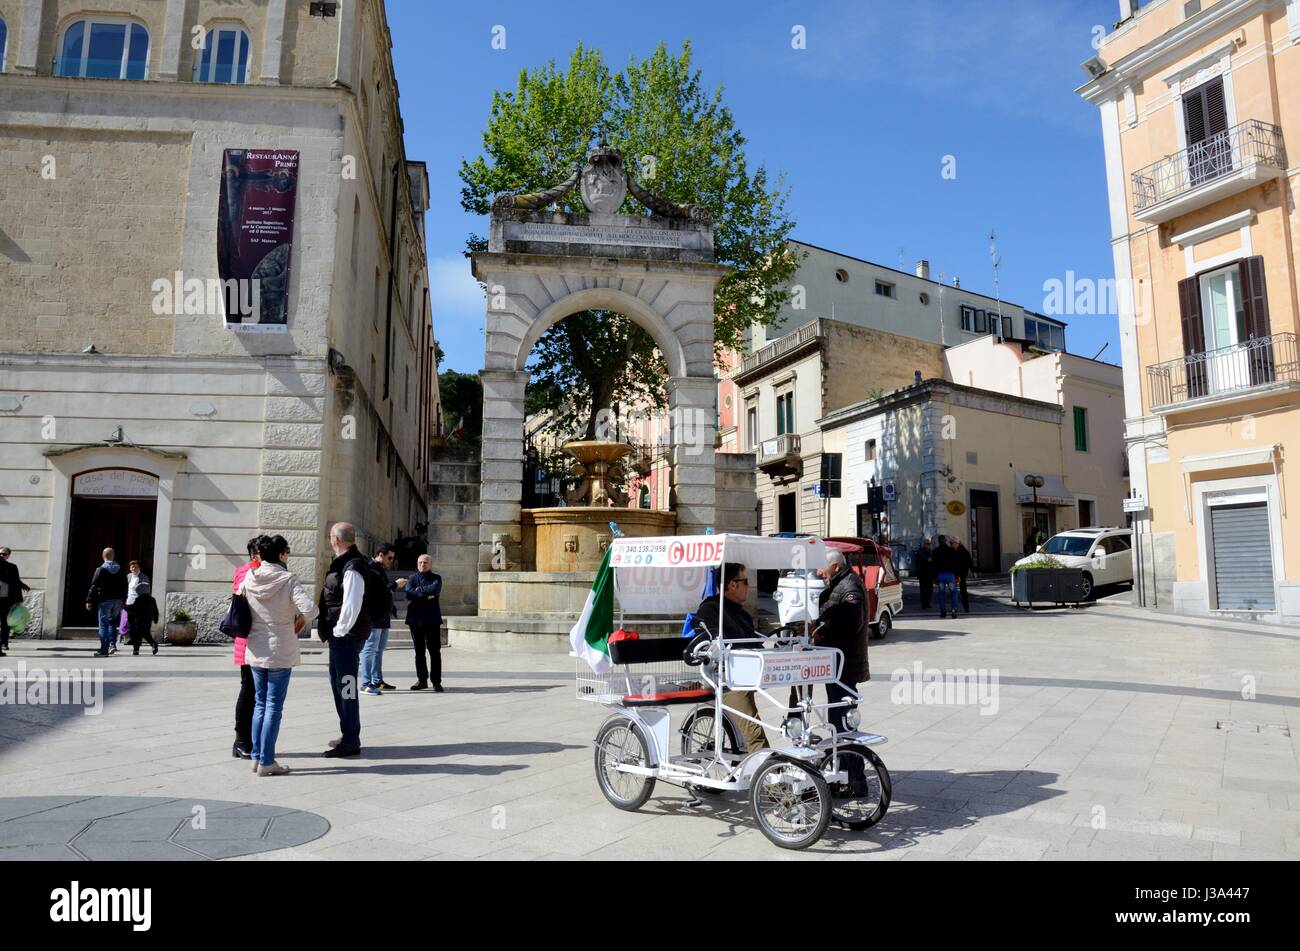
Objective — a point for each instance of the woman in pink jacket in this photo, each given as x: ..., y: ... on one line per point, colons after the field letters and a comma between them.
x: 243, y: 747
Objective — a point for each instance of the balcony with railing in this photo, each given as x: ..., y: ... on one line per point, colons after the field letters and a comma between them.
x: 780, y: 457
x: 1222, y: 165
x: 780, y: 347
x: 1202, y: 379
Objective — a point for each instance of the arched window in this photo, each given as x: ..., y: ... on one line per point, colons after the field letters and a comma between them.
x: 224, y: 57
x: 104, y: 48
x: 4, y: 39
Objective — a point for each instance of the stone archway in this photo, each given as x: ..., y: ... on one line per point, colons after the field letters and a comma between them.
x: 542, y: 266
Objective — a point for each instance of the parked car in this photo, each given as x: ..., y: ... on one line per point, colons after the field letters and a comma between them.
x: 1104, y: 554
x: 798, y: 589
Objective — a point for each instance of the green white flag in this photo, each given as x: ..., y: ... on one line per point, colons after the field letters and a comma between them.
x: 590, y: 636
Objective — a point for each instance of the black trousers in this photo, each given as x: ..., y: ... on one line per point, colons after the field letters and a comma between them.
x: 428, y: 636
x: 927, y: 588
x: 965, y: 597
x: 834, y: 694
x: 244, y: 707
x: 5, y: 608
x: 345, y: 656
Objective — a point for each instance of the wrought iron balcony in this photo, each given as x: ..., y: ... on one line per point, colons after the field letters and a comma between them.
x: 1222, y: 165
x: 1202, y: 378
x: 780, y: 457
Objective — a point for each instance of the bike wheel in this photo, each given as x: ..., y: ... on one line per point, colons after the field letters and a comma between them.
x: 863, y: 798
x: 791, y: 803
x: 697, y: 733
x: 619, y: 741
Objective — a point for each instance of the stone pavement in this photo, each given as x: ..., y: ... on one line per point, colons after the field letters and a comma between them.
x: 1119, y: 733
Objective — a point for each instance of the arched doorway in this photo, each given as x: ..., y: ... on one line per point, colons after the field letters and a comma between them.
x: 110, y: 508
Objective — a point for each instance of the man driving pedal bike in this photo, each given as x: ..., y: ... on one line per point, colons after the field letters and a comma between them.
x: 737, y: 624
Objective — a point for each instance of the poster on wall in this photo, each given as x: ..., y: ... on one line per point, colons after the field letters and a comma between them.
x: 259, y: 192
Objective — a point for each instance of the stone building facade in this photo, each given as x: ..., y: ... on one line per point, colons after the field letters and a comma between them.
x: 126, y: 420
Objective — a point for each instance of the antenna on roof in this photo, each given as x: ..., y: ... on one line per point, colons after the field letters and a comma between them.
x: 997, y: 269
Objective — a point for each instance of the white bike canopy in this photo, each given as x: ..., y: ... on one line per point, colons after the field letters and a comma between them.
x: 666, y: 574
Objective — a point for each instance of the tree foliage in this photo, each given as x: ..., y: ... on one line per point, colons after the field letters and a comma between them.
x: 681, y: 142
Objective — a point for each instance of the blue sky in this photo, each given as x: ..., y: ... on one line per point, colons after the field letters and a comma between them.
x: 858, y: 123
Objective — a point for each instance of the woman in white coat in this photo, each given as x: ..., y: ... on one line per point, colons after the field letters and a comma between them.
x: 280, y: 608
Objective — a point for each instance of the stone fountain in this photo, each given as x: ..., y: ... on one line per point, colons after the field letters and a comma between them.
x: 574, y: 537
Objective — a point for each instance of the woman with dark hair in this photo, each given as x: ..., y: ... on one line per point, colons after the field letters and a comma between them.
x: 276, y: 598
x: 244, y: 705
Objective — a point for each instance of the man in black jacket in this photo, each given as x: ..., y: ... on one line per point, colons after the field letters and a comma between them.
x: 424, y: 618
x: 344, y: 624
x: 842, y: 621
x: 11, y: 593
x: 963, y: 562
x: 737, y: 624
x: 107, y: 595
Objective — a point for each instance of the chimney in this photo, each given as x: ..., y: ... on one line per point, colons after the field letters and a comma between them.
x: 917, y: 375
x: 956, y: 282
x: 923, y: 270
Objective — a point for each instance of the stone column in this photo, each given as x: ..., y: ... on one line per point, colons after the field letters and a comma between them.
x: 347, y: 43
x: 173, y: 41
x: 29, y: 37
x: 693, y: 425
x: 501, y: 479
x: 273, y: 45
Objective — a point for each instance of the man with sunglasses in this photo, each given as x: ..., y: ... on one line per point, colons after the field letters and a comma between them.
x: 737, y: 624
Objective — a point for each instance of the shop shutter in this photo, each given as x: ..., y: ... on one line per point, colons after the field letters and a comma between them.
x: 1189, y: 301
x: 1243, y: 557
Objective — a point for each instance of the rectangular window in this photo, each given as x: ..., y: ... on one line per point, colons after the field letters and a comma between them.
x: 981, y: 322
x: 869, y: 450
x: 751, y: 427
x: 885, y: 289
x: 968, y: 319
x: 1080, y: 429
x: 1007, y: 329
x: 785, y: 414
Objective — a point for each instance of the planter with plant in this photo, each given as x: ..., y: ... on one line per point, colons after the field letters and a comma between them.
x: 1044, y: 579
x: 181, y: 630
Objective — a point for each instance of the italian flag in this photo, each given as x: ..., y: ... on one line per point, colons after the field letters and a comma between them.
x: 590, y: 636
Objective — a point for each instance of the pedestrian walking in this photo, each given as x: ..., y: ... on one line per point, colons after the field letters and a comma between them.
x: 11, y: 594
x: 142, y: 615
x: 344, y: 626
x: 944, y: 563
x: 107, y: 597
x: 279, y: 607
x: 964, y: 564
x: 924, y: 572
x: 424, y: 618
x: 243, y: 748
x: 372, y: 652
x: 133, y: 578
x: 842, y: 623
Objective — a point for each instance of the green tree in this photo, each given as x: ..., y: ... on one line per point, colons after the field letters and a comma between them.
x: 681, y: 142
x: 462, y: 399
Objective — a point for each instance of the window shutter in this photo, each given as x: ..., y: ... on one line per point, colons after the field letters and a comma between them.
x: 1256, y: 297
x: 1216, y: 109
x: 1194, y: 114
x: 1189, y: 300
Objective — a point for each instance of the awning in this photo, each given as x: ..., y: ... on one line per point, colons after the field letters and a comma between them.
x: 1053, y: 491
x: 1262, y: 456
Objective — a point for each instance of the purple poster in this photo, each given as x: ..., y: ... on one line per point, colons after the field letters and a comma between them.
x: 259, y: 190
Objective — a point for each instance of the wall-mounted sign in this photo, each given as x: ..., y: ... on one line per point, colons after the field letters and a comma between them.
x: 120, y: 483
x: 956, y: 507
x: 1135, y: 504
x: 259, y: 192
x: 891, y: 492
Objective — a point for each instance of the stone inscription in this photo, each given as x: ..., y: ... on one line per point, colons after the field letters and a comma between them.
x: 592, y: 234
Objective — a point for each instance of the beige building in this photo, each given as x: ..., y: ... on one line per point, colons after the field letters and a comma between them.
x: 1198, y: 104
x: 134, y: 409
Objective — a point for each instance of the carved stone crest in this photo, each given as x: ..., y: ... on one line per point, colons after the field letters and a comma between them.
x: 603, y: 184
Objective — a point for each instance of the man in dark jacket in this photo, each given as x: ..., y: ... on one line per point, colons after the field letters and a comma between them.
x: 963, y: 562
x: 842, y: 621
x: 372, y: 652
x: 107, y: 595
x: 924, y: 574
x: 737, y: 624
x: 344, y: 624
x: 11, y: 593
x: 944, y: 565
x: 424, y: 618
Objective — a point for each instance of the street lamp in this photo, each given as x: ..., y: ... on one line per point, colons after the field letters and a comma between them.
x: 1035, y: 482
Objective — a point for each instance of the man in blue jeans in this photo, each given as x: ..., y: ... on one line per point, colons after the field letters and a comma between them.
x: 107, y: 594
x: 944, y: 565
x: 372, y: 654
